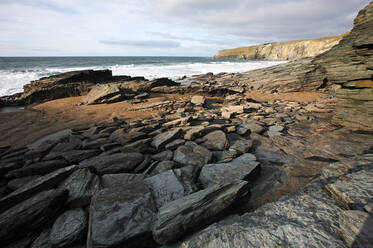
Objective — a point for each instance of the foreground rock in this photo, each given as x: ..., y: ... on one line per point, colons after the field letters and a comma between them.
x: 31, y: 215
x: 308, y: 217
x: 194, y: 211
x: 121, y: 216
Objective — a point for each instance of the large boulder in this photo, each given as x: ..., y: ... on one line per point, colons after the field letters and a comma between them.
x: 31, y: 215
x: 161, y: 140
x: 121, y: 216
x: 216, y: 140
x: 104, y: 93
x: 179, y: 217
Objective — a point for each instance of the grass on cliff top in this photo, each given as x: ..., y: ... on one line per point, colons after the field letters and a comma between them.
x: 234, y: 52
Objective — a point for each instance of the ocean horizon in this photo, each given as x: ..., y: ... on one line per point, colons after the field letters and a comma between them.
x: 15, y: 72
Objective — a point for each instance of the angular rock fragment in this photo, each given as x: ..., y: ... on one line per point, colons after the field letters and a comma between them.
x: 42, y: 183
x: 244, y: 167
x: 189, y: 213
x: 122, y: 179
x: 75, y: 156
x: 40, y: 168
x: 121, y: 216
x: 43, y: 241
x: 68, y: 228
x: 216, y: 140
x: 114, y: 163
x: 163, y: 139
x: 30, y: 215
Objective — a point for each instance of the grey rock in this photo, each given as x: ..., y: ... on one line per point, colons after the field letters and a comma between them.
x: 163, y: 166
x: 42, y: 183
x: 20, y: 182
x: 216, y: 140
x: 357, y: 228
x: 40, y: 168
x: 75, y: 156
x: 163, y: 139
x: 244, y: 167
x: 185, y: 155
x: 122, y: 179
x: 225, y: 156
x: 31, y: 215
x: 120, y: 216
x: 57, y: 150
x: 126, y: 138
x: 175, y: 144
x: 242, y: 145
x: 253, y: 126
x: 179, y: 217
x: 162, y: 156
x: 165, y: 187
x: 82, y: 185
x: 276, y: 128
x: 142, y: 146
x: 68, y: 228
x: 114, y: 163
x: 43, y: 241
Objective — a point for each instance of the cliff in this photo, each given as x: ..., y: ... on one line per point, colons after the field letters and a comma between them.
x: 288, y: 50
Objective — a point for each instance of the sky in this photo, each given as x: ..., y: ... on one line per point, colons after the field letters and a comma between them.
x: 163, y: 27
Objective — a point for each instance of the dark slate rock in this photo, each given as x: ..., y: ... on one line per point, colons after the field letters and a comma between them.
x: 75, y: 156
x: 357, y: 228
x: 175, y: 144
x: 163, y: 166
x: 242, y: 145
x: 9, y: 166
x: 161, y: 140
x: 69, y: 227
x: 115, y: 163
x: 162, y: 156
x: 185, y: 155
x: 165, y: 187
x: 30, y: 215
x: 23, y: 243
x: 182, y: 216
x: 60, y: 148
x: 42, y: 183
x: 122, y: 179
x: 244, y: 167
x: 40, y: 168
x: 82, y: 185
x: 121, y: 216
x: 20, y: 182
x: 43, y: 241
x: 142, y: 146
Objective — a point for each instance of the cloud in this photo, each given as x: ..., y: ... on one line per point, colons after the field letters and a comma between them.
x: 143, y: 43
x: 264, y: 20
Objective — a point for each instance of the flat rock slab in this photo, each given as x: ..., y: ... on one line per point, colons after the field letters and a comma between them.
x: 120, y: 180
x: 216, y: 141
x: 242, y: 168
x: 179, y: 217
x: 75, y: 156
x: 42, y: 183
x: 43, y: 241
x: 357, y: 228
x: 119, y: 216
x: 114, y: 163
x: 68, y: 228
x: 82, y: 185
x: 163, y: 139
x: 40, y: 168
x: 30, y: 215
x: 166, y: 187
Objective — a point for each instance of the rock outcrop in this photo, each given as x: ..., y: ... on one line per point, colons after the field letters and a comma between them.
x: 289, y: 50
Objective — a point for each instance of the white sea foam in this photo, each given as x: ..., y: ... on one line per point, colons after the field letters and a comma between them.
x: 12, y: 81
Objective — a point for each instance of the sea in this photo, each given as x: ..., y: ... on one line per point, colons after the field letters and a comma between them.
x: 15, y: 72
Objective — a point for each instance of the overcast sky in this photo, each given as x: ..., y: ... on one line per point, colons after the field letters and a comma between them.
x: 163, y: 27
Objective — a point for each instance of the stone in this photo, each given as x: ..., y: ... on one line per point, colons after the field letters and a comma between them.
x: 104, y: 93
x: 225, y: 156
x: 141, y: 146
x: 178, y: 122
x: 194, y: 132
x: 46, y: 182
x: 244, y: 167
x: 120, y: 216
x: 357, y: 228
x: 126, y: 138
x: 185, y: 155
x: 114, y: 163
x: 82, y: 184
x: 254, y: 127
x: 165, y: 187
x: 68, y: 228
x: 119, y: 180
x: 198, y: 100
x: 162, y: 156
x: 31, y: 215
x: 163, y: 166
x: 189, y: 213
x: 275, y: 128
x: 161, y: 140
x: 40, y: 168
x: 75, y: 156
x: 216, y: 140
x: 242, y: 145
x: 175, y: 144
x: 58, y: 149
x: 43, y: 241
x: 20, y: 182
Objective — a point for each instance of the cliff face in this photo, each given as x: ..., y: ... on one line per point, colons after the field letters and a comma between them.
x: 289, y: 50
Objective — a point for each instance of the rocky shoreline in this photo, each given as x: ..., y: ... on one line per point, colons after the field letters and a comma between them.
x: 273, y: 157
